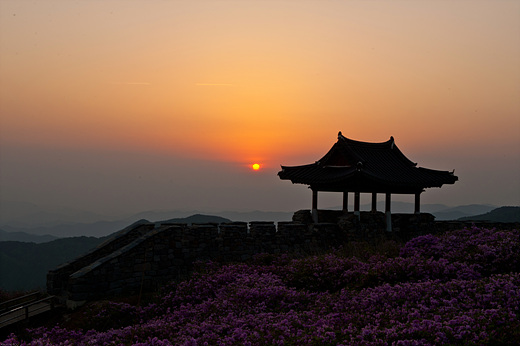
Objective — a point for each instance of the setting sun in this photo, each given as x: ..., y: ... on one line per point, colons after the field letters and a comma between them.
x: 197, y: 95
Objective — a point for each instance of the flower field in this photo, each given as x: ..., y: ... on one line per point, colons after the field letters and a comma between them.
x: 462, y: 287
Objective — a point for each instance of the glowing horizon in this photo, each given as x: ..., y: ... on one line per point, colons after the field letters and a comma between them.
x: 236, y: 83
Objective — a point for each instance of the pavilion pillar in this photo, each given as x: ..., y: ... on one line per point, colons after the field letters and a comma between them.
x: 388, y: 214
x: 374, y: 202
x: 356, y: 204
x: 345, y: 200
x: 314, y: 212
x: 417, y: 210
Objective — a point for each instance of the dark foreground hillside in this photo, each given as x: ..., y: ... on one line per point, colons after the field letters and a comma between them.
x: 462, y: 287
x: 24, y: 266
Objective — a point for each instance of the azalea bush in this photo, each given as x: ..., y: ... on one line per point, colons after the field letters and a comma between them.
x: 462, y: 287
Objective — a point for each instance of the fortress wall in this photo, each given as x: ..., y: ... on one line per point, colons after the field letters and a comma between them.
x: 167, y: 252
x: 147, y: 255
x: 57, y: 278
x: 146, y: 262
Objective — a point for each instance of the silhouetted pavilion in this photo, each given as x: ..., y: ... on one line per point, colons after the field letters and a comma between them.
x: 362, y: 167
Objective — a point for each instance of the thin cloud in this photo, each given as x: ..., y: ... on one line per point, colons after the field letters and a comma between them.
x: 214, y: 84
x: 130, y: 83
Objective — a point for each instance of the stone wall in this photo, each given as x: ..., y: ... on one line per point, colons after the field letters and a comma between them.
x: 166, y: 252
x: 57, y: 279
x: 145, y: 255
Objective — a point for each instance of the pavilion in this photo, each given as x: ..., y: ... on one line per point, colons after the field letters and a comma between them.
x: 363, y: 167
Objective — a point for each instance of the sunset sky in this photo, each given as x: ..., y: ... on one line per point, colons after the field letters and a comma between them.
x: 115, y: 106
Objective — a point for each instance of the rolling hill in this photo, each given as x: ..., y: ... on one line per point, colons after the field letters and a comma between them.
x: 24, y: 266
x: 502, y: 214
x: 25, y: 237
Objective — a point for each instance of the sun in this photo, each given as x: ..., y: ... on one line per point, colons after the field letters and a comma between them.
x: 256, y: 166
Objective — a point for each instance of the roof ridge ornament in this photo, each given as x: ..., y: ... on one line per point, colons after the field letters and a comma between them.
x: 340, y: 135
x: 392, y: 142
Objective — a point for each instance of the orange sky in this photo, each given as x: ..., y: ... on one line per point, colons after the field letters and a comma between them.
x: 235, y: 82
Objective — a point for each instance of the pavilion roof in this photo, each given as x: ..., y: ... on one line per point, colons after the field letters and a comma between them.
x: 366, y: 167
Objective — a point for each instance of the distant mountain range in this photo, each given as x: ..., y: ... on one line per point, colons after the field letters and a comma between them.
x: 456, y: 213
x: 26, y: 237
x: 197, y: 218
x: 440, y: 211
x: 70, y: 229
x: 20, y: 220
x: 502, y: 214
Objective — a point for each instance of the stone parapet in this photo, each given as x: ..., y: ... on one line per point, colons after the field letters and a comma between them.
x: 144, y: 256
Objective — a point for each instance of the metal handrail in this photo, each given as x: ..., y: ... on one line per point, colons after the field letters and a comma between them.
x: 27, y: 313
x: 9, y: 304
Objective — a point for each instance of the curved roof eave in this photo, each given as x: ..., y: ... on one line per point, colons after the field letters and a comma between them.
x: 350, y: 162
